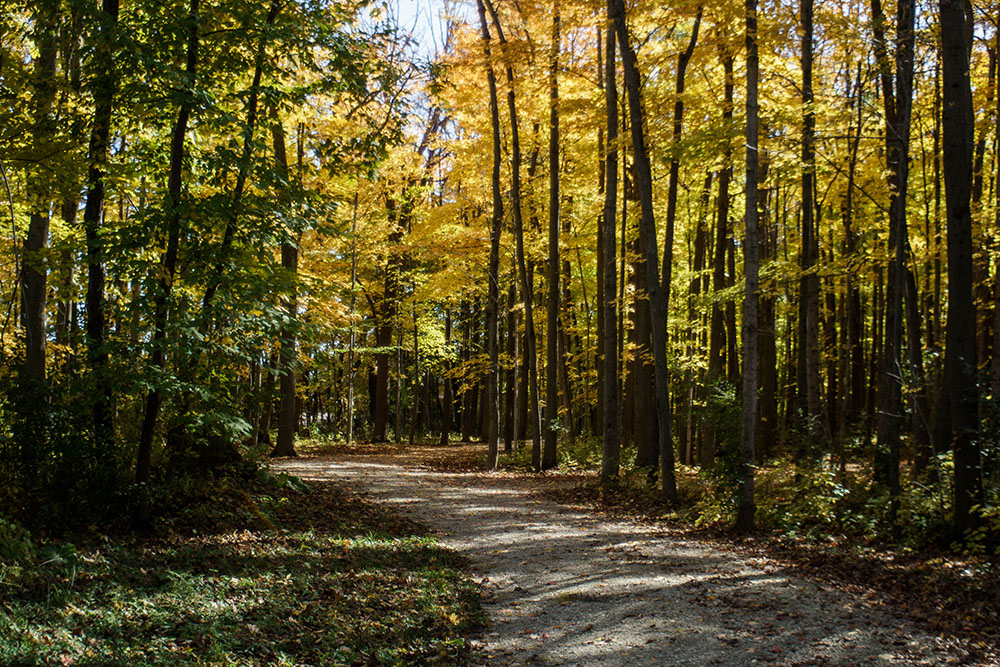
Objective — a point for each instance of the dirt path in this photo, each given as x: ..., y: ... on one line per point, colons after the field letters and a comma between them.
x: 564, y: 587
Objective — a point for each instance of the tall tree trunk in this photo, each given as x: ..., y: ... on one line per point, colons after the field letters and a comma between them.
x: 528, y: 292
x: 748, y: 436
x: 675, y: 158
x: 960, y: 342
x: 717, y: 332
x: 168, y: 266
x: 34, y: 275
x: 809, y: 386
x: 647, y: 233
x: 898, y: 104
x: 287, y: 366
x: 611, y: 406
x: 552, y: 328
x: 492, y: 308
x: 855, y: 322
x: 104, y: 87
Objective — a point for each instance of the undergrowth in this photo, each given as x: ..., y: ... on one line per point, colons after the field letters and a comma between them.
x: 270, y: 576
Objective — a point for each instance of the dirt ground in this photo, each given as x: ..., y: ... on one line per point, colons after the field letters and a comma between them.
x: 565, y: 586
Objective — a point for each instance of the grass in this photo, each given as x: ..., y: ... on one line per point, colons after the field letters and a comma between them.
x: 271, y: 577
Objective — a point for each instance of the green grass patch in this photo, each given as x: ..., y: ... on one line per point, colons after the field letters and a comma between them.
x: 271, y: 577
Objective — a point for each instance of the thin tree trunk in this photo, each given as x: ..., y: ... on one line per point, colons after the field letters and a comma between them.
x: 104, y: 87
x: 611, y: 406
x: 717, y: 332
x: 552, y: 328
x: 287, y: 366
x: 528, y: 292
x: 493, y: 276
x: 809, y: 387
x: 168, y: 267
x: 898, y: 104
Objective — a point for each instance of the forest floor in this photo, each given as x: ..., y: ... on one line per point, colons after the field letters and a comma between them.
x: 568, y: 581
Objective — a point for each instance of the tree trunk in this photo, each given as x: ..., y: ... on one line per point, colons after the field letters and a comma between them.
x: 748, y: 435
x: 552, y: 327
x: 287, y: 365
x: 104, y: 87
x: 168, y: 267
x: 492, y: 306
x: 717, y: 333
x: 34, y: 274
x: 647, y: 234
x: 898, y: 105
x: 809, y: 363
x: 960, y: 342
x: 528, y: 292
x: 611, y: 395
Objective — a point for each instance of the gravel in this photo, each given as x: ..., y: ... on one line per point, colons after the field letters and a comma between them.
x: 566, y: 587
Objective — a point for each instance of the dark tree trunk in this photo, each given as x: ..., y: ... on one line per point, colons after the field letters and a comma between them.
x: 717, y: 333
x: 552, y: 360
x: 104, y: 87
x: 611, y: 404
x: 809, y: 362
x: 528, y: 292
x: 898, y: 104
x: 492, y: 413
x: 748, y: 436
x: 960, y: 344
x: 287, y: 366
x: 448, y: 400
x: 647, y: 234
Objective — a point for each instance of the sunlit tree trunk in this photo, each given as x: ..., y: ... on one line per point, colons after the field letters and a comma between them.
x: 34, y: 275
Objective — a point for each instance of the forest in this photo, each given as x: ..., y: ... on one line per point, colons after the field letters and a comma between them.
x: 740, y: 260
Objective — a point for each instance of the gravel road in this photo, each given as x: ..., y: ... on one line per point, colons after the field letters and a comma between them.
x: 565, y: 587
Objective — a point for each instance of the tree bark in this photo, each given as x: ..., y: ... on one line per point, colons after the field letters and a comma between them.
x: 287, y: 365
x: 748, y: 435
x: 493, y: 276
x: 647, y: 233
x: 552, y: 328
x: 611, y: 395
x: 527, y: 291
x: 104, y: 88
x: 898, y: 104
x: 960, y: 341
x: 34, y: 274
x: 168, y: 267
